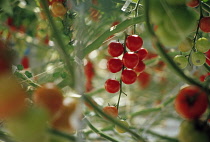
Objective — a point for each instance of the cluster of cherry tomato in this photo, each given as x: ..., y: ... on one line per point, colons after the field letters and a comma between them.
x: 198, y: 57
x: 130, y: 64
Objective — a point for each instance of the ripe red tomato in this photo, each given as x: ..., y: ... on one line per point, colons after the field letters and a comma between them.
x: 204, y: 24
x: 144, y: 79
x: 89, y: 70
x: 128, y: 76
x: 193, y: 3
x: 140, y: 67
x: 112, y: 86
x: 12, y: 97
x: 130, y: 59
x: 58, y: 9
x: 115, y: 49
x: 191, y: 102
x: 134, y: 42
x: 142, y: 53
x: 114, y: 65
x: 48, y: 96
x: 25, y: 62
x: 111, y: 111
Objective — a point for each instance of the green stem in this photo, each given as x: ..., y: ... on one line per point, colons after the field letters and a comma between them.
x: 155, y: 109
x: 61, y: 46
x: 26, y: 79
x: 99, y: 132
x: 61, y: 134
x: 113, y: 120
x: 136, y: 14
x: 99, y: 41
x: 161, y: 136
x: 164, y: 55
x: 205, y: 7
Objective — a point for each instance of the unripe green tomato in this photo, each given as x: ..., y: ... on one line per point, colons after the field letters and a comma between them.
x: 181, y: 61
x: 167, y: 38
x: 119, y: 129
x: 176, y: 22
x: 198, y: 58
x: 189, y: 133
x: 185, y: 45
x: 202, y: 45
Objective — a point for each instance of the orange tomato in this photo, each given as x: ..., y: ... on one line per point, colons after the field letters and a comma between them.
x: 58, y: 9
x: 12, y: 96
x: 62, y: 121
x: 48, y: 96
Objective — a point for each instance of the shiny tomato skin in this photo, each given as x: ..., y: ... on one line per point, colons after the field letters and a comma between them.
x: 128, y: 76
x: 115, y: 49
x: 204, y: 24
x: 130, y: 59
x: 111, y: 111
x: 134, y: 42
x: 49, y: 97
x: 114, y: 65
x: 191, y: 102
x: 142, y: 53
x: 112, y: 86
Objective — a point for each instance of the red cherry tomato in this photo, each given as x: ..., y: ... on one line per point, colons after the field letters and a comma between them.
x: 48, y: 96
x: 193, y: 3
x: 115, y: 49
x: 204, y: 24
x: 144, y: 79
x: 89, y: 70
x: 25, y: 62
x: 112, y: 86
x: 142, y: 53
x: 114, y: 65
x: 134, y: 42
x: 128, y: 76
x: 111, y: 111
x: 191, y: 102
x: 140, y: 67
x: 130, y: 59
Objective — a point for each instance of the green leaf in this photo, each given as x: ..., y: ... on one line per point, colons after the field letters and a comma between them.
x: 20, y: 67
x: 28, y: 74
x: 6, y: 6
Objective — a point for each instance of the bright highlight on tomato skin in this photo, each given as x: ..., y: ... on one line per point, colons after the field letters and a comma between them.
x: 191, y: 102
x: 112, y: 86
x: 130, y: 59
x: 134, y: 42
